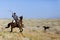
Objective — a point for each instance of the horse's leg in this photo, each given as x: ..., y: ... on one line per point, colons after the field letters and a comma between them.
x: 20, y: 29
x: 11, y: 29
x: 23, y: 25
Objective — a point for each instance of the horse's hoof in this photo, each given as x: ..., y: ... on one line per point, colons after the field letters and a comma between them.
x: 10, y: 31
x: 20, y: 31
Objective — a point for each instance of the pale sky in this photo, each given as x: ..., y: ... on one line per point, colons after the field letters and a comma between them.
x: 30, y: 8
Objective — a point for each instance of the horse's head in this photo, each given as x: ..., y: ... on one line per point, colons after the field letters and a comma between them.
x: 21, y: 17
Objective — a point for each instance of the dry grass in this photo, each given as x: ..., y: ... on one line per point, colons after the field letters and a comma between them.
x: 31, y: 31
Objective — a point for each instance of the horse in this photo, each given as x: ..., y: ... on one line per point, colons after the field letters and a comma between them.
x: 13, y: 25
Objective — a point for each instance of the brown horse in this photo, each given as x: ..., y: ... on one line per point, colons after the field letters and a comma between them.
x: 19, y: 25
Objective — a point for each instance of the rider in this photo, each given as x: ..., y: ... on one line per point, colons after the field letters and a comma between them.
x: 15, y: 17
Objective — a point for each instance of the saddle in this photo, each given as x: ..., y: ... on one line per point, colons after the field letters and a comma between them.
x: 15, y: 23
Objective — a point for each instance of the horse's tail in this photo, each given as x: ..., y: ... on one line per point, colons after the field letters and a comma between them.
x: 8, y: 25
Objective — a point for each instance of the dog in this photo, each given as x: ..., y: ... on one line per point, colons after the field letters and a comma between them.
x: 46, y: 27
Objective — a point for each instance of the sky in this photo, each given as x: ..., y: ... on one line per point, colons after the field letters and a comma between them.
x: 30, y: 8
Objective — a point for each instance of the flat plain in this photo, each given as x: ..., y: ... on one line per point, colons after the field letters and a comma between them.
x: 33, y: 30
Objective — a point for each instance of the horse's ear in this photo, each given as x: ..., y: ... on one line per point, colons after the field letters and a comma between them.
x: 21, y: 16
